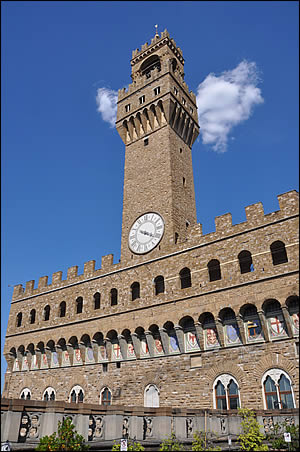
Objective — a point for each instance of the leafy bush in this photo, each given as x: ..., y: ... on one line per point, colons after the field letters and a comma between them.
x: 200, y: 443
x: 276, y: 438
x: 131, y: 446
x: 171, y: 444
x: 67, y: 439
x: 251, y: 438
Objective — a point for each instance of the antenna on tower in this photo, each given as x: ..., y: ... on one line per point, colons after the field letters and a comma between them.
x: 156, y: 33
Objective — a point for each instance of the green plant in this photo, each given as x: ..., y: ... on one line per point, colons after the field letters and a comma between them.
x: 251, y: 438
x: 276, y: 438
x: 131, y: 446
x: 172, y: 444
x: 202, y: 443
x: 67, y: 439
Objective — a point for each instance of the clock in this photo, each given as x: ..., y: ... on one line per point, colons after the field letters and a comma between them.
x: 146, y: 233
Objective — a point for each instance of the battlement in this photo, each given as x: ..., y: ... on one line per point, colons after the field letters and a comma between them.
x: 288, y: 203
x: 138, y: 54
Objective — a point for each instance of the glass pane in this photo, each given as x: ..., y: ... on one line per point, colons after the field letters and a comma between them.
x: 221, y: 404
x: 287, y: 400
x: 232, y: 388
x: 220, y: 389
x: 272, y: 402
x: 73, y: 396
x: 234, y: 403
x: 270, y: 385
x: 284, y: 384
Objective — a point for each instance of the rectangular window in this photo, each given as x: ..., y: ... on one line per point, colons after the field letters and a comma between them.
x: 191, y: 110
x: 142, y: 99
x: 127, y: 108
x: 105, y: 365
x: 183, y: 101
x: 175, y: 90
x: 156, y: 91
x: 146, y: 141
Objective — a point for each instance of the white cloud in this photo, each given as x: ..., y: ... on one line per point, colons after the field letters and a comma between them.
x: 226, y: 100
x: 106, y: 100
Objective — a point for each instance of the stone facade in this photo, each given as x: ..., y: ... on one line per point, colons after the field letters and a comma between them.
x: 225, y: 305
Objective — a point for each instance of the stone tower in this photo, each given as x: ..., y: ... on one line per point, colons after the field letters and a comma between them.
x: 157, y: 121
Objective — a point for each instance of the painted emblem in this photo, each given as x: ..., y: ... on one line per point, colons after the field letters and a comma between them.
x: 276, y: 325
x: 116, y: 351
x: 16, y: 365
x: 77, y: 354
x: 158, y: 346
x: 191, y: 341
x: 103, y: 354
x: 144, y: 347
x: 232, y: 334
x: 90, y: 354
x: 295, y: 318
x: 54, y: 358
x: 211, y: 337
x: 174, y: 343
x: 253, y: 329
x: 130, y: 350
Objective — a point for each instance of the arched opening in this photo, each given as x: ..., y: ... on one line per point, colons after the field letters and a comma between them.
x: 135, y: 291
x: 113, y: 297
x: 105, y: 396
x: 278, y: 252
x: 214, y: 270
x: 79, y: 305
x: 97, y: 299
x: 149, y: 65
x: 159, y: 284
x: 46, y: 312
x: 19, y: 319
x: 32, y: 316
x: 245, y: 261
x: 62, y: 309
x: 185, y: 278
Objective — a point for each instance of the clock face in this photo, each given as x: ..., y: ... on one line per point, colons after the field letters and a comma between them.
x: 146, y: 233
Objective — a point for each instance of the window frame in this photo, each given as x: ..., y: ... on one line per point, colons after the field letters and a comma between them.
x: 275, y: 374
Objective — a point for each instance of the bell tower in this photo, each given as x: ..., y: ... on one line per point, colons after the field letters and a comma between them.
x: 158, y: 123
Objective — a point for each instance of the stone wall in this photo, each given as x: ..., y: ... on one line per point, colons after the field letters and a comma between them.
x: 26, y: 421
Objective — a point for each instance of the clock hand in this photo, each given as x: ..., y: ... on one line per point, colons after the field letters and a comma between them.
x: 147, y: 233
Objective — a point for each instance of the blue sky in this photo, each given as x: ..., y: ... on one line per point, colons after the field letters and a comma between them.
x: 62, y: 164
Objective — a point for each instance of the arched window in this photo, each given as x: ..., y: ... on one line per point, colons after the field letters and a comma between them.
x: 221, y: 403
x: 214, y: 270
x: 49, y: 394
x: 97, y: 298
x: 32, y: 316
x: 76, y: 394
x: 277, y: 388
x: 19, y: 319
x: 135, y: 291
x: 150, y: 64
x: 105, y: 397
x: 113, y: 297
x: 25, y: 394
x: 47, y: 312
x: 245, y: 261
x: 185, y: 278
x: 151, y: 396
x: 278, y: 251
x: 226, y: 393
x: 159, y: 284
x: 62, y: 309
x: 79, y: 305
